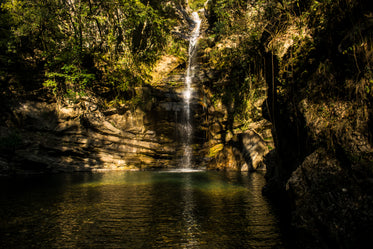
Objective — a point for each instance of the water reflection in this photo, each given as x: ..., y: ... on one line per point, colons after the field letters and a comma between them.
x: 191, y: 225
x: 137, y: 210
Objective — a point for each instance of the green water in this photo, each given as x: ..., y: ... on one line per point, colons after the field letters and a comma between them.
x: 137, y: 210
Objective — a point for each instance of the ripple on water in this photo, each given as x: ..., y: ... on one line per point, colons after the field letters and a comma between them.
x: 174, y: 209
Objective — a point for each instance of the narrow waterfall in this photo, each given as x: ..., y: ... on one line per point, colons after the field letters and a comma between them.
x: 188, y: 93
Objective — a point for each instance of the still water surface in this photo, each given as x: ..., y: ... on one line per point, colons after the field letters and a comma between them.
x: 137, y: 210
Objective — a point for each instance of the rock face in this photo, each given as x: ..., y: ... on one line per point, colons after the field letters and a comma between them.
x: 329, y: 198
x: 81, y: 135
x: 231, y: 144
x: 78, y: 136
x: 244, y: 152
x: 317, y: 80
x: 84, y: 134
x: 322, y: 130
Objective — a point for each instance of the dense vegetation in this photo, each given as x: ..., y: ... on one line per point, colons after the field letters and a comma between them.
x: 75, y: 46
x: 109, y: 47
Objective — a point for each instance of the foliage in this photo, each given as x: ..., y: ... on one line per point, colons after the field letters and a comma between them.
x: 234, y: 56
x: 215, y: 150
x: 72, y: 77
x: 75, y: 45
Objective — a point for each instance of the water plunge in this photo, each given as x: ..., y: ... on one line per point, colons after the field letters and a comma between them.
x: 187, y: 128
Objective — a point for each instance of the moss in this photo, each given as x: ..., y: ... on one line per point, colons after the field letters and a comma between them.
x: 215, y: 150
x: 196, y: 4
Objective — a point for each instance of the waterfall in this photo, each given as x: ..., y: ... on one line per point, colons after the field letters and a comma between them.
x: 188, y: 93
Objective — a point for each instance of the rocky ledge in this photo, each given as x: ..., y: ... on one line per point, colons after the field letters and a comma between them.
x: 78, y: 135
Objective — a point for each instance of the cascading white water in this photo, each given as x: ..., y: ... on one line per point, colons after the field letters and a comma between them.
x: 188, y: 93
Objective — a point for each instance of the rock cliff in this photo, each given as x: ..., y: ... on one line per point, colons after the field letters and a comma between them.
x: 321, y: 120
x: 313, y: 60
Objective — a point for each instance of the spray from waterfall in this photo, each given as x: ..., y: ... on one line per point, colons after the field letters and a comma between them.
x: 188, y: 93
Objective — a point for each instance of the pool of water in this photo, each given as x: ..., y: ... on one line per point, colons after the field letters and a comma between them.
x: 160, y: 209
